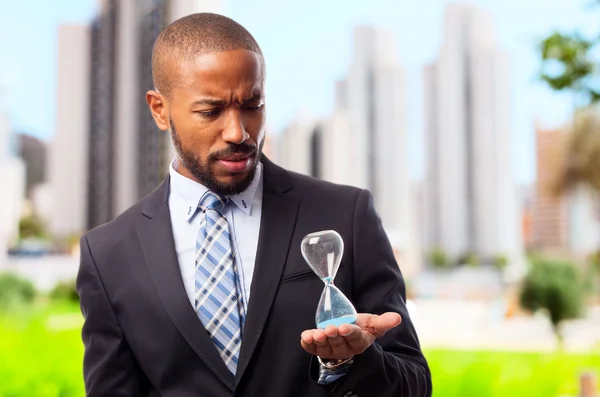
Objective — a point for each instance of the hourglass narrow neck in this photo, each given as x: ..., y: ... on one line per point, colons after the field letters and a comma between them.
x: 328, y: 280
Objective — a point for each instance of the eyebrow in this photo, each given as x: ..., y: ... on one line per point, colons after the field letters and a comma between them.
x: 220, y: 102
x: 209, y: 102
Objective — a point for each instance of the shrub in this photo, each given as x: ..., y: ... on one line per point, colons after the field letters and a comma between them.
x: 438, y: 258
x: 15, y: 291
x: 65, y: 290
x: 556, y: 288
x: 500, y: 261
x: 469, y: 259
x: 32, y: 226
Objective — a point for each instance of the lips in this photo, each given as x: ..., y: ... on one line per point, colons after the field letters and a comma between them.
x: 236, y: 157
x: 236, y: 163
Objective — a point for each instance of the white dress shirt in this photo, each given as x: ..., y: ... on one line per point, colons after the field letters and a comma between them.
x: 243, y: 214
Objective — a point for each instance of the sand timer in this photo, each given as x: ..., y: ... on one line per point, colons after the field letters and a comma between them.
x: 323, y: 252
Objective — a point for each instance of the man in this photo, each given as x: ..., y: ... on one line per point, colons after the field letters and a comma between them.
x: 201, y: 290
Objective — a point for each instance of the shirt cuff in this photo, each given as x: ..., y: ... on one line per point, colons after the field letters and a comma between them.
x: 327, y: 375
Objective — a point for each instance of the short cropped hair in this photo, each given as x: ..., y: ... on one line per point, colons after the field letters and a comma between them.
x: 192, y: 36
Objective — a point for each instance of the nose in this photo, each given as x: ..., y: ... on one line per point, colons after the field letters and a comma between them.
x: 234, y: 130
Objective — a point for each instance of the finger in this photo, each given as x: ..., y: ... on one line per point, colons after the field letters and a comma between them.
x: 356, y: 339
x: 307, y: 337
x: 337, y: 343
x: 378, y: 325
x: 333, y: 337
x: 310, y: 348
x: 388, y: 321
x: 331, y: 331
x: 320, y: 339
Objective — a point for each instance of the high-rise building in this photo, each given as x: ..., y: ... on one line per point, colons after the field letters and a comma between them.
x: 318, y: 147
x: 130, y: 154
x: 549, y: 213
x: 295, y: 146
x: 33, y: 152
x: 470, y: 191
x: 373, y: 98
x: 334, y: 157
x: 100, y: 185
x: 69, y: 160
x: 363, y: 142
x: 12, y: 170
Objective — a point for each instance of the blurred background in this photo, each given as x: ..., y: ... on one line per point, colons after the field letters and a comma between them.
x: 475, y: 124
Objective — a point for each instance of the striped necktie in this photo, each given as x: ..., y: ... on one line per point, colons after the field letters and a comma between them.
x: 218, y: 301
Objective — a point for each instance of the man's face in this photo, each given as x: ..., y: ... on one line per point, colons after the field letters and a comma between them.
x: 216, y: 116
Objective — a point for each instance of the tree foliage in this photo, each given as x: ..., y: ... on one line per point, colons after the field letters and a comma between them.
x: 568, y: 65
x: 556, y: 288
x: 32, y: 226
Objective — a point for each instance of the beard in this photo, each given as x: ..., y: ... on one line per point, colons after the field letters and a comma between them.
x: 200, y: 168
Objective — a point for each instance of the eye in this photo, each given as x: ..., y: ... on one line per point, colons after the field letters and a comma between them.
x: 208, y: 113
x: 254, y: 107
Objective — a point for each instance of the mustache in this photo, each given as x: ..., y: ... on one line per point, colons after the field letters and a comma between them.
x: 241, y: 148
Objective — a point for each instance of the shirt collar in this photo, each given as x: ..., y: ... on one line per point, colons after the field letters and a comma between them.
x: 191, y: 191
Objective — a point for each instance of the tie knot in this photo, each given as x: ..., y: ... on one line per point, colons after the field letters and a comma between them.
x: 212, y: 201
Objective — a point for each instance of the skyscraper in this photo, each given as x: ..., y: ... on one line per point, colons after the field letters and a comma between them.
x: 101, y: 144
x: 69, y: 161
x: 12, y: 170
x: 33, y: 151
x: 373, y: 98
x: 129, y: 156
x: 295, y: 146
x: 363, y: 142
x: 470, y: 191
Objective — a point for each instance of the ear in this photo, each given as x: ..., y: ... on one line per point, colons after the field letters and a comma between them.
x: 159, y: 109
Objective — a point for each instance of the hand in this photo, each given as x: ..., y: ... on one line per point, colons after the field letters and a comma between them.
x: 348, y: 340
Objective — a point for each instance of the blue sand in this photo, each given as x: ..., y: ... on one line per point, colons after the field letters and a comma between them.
x: 349, y: 319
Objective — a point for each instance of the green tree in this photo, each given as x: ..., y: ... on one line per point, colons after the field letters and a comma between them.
x: 568, y: 65
x: 556, y: 288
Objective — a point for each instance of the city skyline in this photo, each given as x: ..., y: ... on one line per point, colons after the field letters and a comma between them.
x: 311, y: 81
x: 363, y: 141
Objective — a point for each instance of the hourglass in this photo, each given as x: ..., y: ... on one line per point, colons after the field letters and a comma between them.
x: 323, y: 253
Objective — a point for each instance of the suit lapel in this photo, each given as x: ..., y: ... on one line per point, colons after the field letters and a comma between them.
x: 156, y: 238
x: 278, y: 219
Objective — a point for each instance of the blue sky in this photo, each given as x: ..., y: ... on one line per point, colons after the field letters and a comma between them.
x: 307, y: 47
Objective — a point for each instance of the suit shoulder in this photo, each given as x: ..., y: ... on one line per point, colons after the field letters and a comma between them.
x: 110, y: 233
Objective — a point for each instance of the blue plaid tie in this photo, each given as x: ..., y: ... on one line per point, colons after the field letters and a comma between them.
x: 218, y: 303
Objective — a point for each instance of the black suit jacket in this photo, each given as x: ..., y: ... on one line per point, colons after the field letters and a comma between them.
x: 143, y: 338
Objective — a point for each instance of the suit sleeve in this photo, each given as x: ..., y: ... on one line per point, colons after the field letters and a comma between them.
x: 109, y: 367
x: 394, y: 365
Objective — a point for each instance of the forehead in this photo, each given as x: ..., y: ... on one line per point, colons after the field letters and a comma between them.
x: 227, y: 73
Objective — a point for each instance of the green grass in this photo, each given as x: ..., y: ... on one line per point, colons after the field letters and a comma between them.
x: 508, y: 374
x: 41, y: 353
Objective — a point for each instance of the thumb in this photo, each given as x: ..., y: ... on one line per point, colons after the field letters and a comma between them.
x: 378, y: 325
